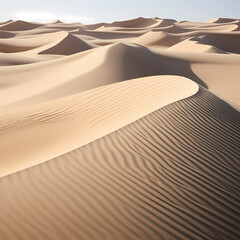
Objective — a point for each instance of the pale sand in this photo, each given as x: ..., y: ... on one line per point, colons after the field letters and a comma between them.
x: 74, y: 121
x: 123, y: 130
x: 173, y: 174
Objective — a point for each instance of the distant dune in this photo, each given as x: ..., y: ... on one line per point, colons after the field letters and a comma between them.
x: 124, y: 130
x: 19, y: 26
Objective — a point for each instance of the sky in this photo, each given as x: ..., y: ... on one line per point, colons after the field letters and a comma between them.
x: 92, y: 11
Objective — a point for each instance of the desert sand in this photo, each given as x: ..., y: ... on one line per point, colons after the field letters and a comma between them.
x: 123, y: 130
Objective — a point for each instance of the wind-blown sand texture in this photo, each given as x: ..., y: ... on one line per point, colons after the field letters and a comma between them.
x: 123, y: 130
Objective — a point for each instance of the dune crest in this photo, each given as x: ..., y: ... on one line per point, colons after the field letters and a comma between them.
x: 80, y: 118
x: 137, y: 22
x: 19, y: 26
x: 223, y: 20
x: 67, y: 45
x: 158, y: 39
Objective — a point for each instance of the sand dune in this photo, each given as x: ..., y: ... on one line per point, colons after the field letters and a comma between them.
x: 158, y: 39
x: 19, y: 26
x: 13, y: 60
x: 137, y: 22
x: 223, y: 20
x: 5, y: 34
x: 94, y: 26
x: 109, y: 34
x: 62, y: 43
x: 114, y: 63
x: 68, y: 44
x: 82, y: 115
x: 226, y: 42
x: 62, y: 26
x: 170, y: 175
x: 56, y: 21
x: 194, y: 44
x: 123, y: 130
x: 17, y: 45
x: 8, y: 21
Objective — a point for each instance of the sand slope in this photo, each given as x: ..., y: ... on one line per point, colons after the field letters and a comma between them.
x: 124, y: 130
x: 79, y: 119
x: 63, y: 43
x: 68, y: 44
x: 62, y: 77
x: 158, y: 39
x: 173, y: 174
x: 19, y: 26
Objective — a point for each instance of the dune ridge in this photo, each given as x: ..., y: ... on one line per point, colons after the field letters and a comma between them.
x: 67, y: 45
x: 19, y: 26
x: 82, y: 118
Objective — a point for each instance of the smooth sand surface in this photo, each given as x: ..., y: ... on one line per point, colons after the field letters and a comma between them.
x: 123, y: 130
x: 76, y: 120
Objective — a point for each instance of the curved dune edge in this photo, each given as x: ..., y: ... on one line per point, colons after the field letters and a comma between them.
x: 51, y: 129
x: 162, y: 39
x: 194, y: 45
x: 170, y: 175
x: 223, y: 20
x: 19, y: 25
x: 61, y: 42
x: 137, y: 22
x: 68, y: 44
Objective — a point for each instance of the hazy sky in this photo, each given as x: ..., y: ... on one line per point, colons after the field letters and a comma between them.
x: 90, y: 11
